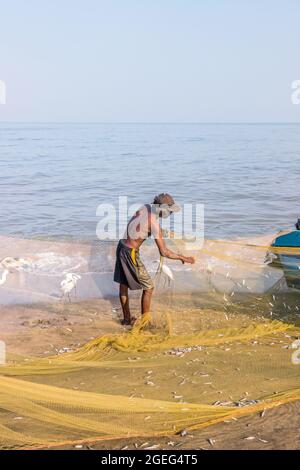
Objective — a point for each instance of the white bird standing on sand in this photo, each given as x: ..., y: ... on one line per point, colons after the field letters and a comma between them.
x: 14, y: 263
x: 11, y: 263
x: 4, y: 277
x: 168, y: 272
x: 69, y: 283
x: 162, y: 268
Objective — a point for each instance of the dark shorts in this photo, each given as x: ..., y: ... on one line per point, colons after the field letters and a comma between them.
x: 130, y: 270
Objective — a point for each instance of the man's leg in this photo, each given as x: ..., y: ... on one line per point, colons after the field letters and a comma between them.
x: 124, y: 299
x: 146, y: 300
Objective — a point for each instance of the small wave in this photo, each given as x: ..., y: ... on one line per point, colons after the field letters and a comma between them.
x: 51, y: 263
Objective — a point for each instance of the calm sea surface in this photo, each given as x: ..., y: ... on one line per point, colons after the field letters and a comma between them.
x: 53, y: 176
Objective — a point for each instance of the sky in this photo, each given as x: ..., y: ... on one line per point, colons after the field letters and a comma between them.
x: 149, y: 60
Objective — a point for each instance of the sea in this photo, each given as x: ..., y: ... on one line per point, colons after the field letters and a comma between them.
x: 53, y: 176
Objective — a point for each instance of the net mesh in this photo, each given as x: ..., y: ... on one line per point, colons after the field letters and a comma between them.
x: 218, y: 344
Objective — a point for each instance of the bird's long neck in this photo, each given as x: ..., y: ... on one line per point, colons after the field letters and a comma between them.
x: 4, y: 276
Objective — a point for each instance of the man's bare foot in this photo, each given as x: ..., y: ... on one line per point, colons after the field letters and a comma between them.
x: 128, y: 321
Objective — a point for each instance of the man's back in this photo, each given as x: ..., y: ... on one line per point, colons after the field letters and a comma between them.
x: 139, y: 227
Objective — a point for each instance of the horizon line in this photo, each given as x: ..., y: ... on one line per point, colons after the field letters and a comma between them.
x: 157, y: 122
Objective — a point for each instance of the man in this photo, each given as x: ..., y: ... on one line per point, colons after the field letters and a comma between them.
x: 130, y: 271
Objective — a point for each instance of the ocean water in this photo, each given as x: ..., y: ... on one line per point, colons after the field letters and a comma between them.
x: 53, y: 176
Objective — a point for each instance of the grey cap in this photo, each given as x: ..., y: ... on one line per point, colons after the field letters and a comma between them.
x: 167, y: 200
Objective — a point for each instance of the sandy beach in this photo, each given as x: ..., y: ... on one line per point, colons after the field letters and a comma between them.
x: 49, y: 329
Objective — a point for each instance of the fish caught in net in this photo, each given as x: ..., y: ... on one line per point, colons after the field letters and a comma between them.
x: 218, y: 344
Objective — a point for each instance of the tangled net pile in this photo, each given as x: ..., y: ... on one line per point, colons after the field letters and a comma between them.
x: 198, y: 359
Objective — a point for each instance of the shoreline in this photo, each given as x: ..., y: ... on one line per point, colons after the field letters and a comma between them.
x: 220, y: 265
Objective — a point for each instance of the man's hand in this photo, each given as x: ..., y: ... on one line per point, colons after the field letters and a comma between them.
x: 188, y: 260
x: 156, y: 231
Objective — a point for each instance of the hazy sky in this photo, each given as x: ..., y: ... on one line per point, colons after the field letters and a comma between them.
x: 149, y: 60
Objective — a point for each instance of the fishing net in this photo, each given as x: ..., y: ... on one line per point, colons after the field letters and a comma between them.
x: 218, y: 344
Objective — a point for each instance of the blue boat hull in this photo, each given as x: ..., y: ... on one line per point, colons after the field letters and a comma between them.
x: 289, y: 262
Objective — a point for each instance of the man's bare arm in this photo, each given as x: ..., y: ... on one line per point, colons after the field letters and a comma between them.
x: 163, y: 249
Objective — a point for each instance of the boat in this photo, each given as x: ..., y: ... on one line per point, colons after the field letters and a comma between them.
x: 287, y: 257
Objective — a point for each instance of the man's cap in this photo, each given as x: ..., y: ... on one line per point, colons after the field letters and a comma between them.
x: 166, y: 199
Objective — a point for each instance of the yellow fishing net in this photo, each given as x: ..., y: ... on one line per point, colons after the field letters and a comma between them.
x: 202, y: 356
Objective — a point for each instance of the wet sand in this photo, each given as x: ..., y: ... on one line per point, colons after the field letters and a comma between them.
x: 46, y: 329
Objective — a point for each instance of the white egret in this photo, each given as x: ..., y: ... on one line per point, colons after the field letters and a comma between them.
x: 14, y: 263
x: 162, y: 268
x: 168, y: 272
x: 9, y: 263
x: 4, y: 277
x: 69, y: 283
